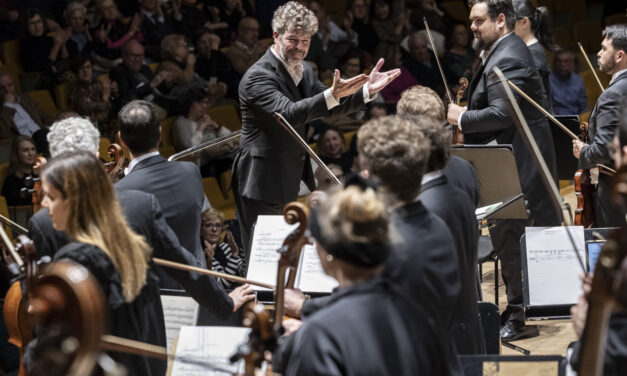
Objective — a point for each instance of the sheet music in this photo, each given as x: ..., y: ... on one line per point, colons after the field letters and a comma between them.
x: 315, y: 279
x: 178, y: 311
x: 209, y: 345
x: 553, y: 268
x: 270, y: 232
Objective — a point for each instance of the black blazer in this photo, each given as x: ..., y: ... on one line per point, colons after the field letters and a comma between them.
x: 144, y: 215
x: 488, y: 118
x: 462, y: 175
x: 458, y: 212
x: 178, y: 188
x: 270, y: 164
x: 130, y: 86
x: 602, y: 124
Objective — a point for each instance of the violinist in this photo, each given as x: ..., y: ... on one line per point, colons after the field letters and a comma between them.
x: 487, y: 119
x: 143, y: 213
x: 604, y: 119
x: 367, y: 326
x: 81, y: 201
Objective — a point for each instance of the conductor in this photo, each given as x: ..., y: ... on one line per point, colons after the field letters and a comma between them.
x: 270, y: 165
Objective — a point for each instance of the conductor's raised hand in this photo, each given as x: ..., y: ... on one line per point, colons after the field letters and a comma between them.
x: 378, y: 80
x: 342, y: 88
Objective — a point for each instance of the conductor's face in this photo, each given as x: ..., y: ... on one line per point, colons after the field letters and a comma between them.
x: 485, y: 30
x: 293, y: 45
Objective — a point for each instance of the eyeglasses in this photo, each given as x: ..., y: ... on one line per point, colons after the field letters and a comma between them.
x: 213, y: 225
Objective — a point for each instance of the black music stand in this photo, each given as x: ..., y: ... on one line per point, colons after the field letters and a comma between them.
x: 498, y: 180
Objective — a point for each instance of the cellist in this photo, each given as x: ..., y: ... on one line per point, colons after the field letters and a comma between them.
x: 604, y: 119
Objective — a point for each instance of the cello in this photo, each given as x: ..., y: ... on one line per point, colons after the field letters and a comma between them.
x: 584, y: 191
x: 458, y: 136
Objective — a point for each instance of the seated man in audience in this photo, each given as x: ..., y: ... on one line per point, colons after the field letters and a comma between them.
x: 212, y: 65
x: 155, y: 25
x: 421, y: 63
x: 20, y: 115
x: 567, y: 90
x: 247, y: 47
x: 136, y: 80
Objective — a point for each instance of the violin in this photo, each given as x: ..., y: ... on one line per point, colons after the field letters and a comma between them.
x: 458, y: 136
x: 584, y: 190
x: 608, y: 290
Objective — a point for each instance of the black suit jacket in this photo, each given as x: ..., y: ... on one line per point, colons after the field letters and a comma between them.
x: 604, y: 120
x: 488, y: 118
x: 130, y: 86
x: 462, y: 175
x: 270, y: 164
x: 458, y: 212
x: 144, y: 215
x: 178, y: 188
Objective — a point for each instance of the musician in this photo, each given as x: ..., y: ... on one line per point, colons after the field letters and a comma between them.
x: 143, y: 213
x: 80, y: 198
x: 270, y: 164
x: 368, y: 326
x: 604, y: 119
x: 421, y: 100
x: 487, y: 118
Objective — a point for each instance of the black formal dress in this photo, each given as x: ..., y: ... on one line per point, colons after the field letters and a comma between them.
x: 143, y: 214
x: 603, y: 122
x: 455, y: 208
x: 366, y: 329
x: 269, y: 166
x: 542, y: 64
x: 488, y: 118
x: 11, y: 191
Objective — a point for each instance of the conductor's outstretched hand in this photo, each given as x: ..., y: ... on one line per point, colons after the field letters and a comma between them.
x: 378, y: 80
x: 342, y: 88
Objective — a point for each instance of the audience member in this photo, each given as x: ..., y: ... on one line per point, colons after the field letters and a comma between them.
x: 21, y: 159
x: 222, y: 256
x: 135, y: 80
x: 191, y: 17
x: 567, y: 90
x: 76, y: 26
x: 194, y: 126
x: 376, y: 110
x: 38, y: 50
x: 211, y: 64
x: 20, y: 115
x: 331, y: 148
x: 92, y: 98
x: 180, y: 63
x: 358, y: 18
x: 247, y: 47
x: 225, y: 15
x: 154, y: 27
x: 388, y: 21
x: 335, y: 40
x: 421, y: 63
x: 350, y: 63
x: 439, y: 21
x: 392, y: 92
x: 324, y: 182
x: 9, y: 21
x: 459, y: 58
x: 111, y: 33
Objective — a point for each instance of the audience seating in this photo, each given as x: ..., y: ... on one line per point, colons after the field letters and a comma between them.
x: 619, y: 18
x: 30, y: 81
x: 166, y: 131
x: 10, y: 54
x: 217, y: 199
x: 153, y: 67
x: 225, y: 181
x: 45, y: 102
x: 456, y: 9
x: 4, y: 171
x: 588, y: 33
x: 4, y: 210
x: 585, y: 116
x: 592, y: 87
x: 167, y: 151
x: 62, y: 94
x: 103, y: 148
x: 227, y: 116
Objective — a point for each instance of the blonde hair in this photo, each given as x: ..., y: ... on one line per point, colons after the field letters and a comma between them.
x: 210, y: 214
x: 421, y: 100
x: 95, y: 216
x: 169, y: 44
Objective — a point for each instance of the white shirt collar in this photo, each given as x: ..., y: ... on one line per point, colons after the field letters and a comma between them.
x: 135, y: 161
x: 296, y: 73
x: 431, y: 176
x: 486, y: 53
x: 615, y: 75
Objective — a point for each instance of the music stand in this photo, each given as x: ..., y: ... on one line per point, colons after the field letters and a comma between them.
x: 498, y: 179
x: 567, y: 164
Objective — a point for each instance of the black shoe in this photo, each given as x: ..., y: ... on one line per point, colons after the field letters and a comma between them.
x: 505, y: 315
x: 514, y: 330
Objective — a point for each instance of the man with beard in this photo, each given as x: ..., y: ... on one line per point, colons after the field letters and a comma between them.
x: 603, y: 121
x: 270, y: 164
x: 487, y: 119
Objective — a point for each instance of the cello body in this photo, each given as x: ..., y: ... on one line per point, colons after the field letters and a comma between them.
x: 584, y: 191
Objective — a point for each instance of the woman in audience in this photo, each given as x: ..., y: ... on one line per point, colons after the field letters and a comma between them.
x: 23, y: 155
x: 366, y: 326
x: 92, y: 98
x: 80, y: 38
x: 212, y: 65
x: 39, y: 51
x: 181, y: 64
x: 390, y: 24
x: 331, y: 148
x: 111, y: 33
x: 534, y: 28
x: 459, y: 58
x: 223, y: 257
x: 196, y: 126
x: 357, y: 12
x: 81, y: 201
x: 392, y: 93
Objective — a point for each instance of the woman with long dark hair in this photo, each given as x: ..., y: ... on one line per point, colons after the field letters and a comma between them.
x: 21, y: 159
x: 534, y: 28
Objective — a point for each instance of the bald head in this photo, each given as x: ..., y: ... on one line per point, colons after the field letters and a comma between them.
x: 133, y: 55
x: 248, y: 31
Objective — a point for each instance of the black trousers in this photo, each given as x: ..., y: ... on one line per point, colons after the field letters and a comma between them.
x: 608, y: 213
x: 505, y: 236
